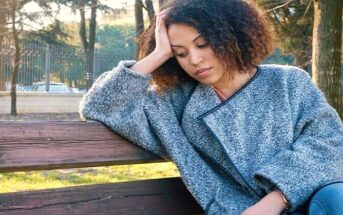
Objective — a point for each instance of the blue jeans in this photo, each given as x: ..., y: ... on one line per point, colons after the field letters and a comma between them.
x: 328, y: 200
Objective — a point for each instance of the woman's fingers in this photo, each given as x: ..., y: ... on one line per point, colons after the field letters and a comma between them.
x: 161, y: 16
x: 161, y: 36
x: 164, y: 12
x: 160, y: 22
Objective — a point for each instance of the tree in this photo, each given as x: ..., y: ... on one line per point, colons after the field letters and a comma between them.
x: 14, y: 7
x: 16, y: 62
x: 327, y: 43
x: 149, y: 7
x: 88, y: 41
x: 4, y: 12
x: 54, y: 34
x: 15, y: 20
x: 293, y: 24
x: 88, y: 46
x: 116, y: 43
x: 139, y: 17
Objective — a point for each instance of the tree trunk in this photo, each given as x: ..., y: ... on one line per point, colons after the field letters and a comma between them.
x: 139, y: 17
x: 16, y: 61
x: 2, y: 72
x: 90, y: 53
x: 150, y: 9
x: 82, y: 30
x: 326, y: 55
x: 88, y: 46
x: 3, y: 31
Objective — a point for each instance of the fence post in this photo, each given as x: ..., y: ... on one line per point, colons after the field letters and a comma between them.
x: 47, y: 68
x: 89, y: 64
x: 2, y: 73
x: 95, y: 63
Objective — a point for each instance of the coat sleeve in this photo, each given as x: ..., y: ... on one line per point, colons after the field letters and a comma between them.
x: 118, y: 99
x: 316, y: 155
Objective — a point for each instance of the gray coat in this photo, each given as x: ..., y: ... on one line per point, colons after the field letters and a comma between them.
x: 277, y: 131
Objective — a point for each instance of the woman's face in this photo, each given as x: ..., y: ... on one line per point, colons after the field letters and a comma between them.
x: 195, y: 55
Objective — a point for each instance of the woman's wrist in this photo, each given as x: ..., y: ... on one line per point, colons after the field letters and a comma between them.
x: 280, y: 199
x: 272, y: 203
x: 161, y: 56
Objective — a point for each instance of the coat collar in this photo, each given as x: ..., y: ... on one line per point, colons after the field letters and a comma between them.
x: 204, y: 110
x: 204, y: 100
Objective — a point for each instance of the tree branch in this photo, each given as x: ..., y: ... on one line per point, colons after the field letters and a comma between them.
x: 280, y: 6
x: 307, y: 8
x: 143, y: 6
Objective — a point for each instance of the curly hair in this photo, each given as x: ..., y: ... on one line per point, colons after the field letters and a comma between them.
x: 237, y: 31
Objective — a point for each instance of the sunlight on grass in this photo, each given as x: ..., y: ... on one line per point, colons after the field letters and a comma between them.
x: 22, y: 181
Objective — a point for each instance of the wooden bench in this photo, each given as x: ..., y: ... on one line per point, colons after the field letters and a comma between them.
x: 26, y: 146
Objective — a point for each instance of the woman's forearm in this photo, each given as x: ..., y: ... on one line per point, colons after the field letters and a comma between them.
x: 151, y: 62
x: 162, y: 52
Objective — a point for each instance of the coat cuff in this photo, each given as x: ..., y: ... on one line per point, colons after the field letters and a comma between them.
x: 268, y: 180
x: 124, y: 80
x: 124, y: 66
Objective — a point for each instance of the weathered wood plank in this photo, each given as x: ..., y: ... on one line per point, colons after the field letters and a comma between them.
x: 46, y: 145
x: 149, y: 197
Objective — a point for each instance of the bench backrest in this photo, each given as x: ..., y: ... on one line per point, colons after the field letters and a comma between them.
x: 26, y: 146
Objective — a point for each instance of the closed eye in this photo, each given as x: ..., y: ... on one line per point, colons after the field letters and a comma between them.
x: 203, y: 45
x: 183, y: 54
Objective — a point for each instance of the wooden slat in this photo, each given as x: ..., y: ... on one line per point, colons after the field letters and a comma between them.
x: 149, y: 197
x: 45, y: 145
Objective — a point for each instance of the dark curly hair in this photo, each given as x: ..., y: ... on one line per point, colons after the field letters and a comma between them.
x: 237, y: 31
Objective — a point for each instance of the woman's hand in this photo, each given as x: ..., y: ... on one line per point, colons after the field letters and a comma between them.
x: 162, y: 52
x: 163, y: 46
x: 271, y: 204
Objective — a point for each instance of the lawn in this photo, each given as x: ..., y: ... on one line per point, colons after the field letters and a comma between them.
x: 22, y: 181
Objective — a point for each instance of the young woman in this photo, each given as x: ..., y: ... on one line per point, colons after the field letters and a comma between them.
x: 246, y: 138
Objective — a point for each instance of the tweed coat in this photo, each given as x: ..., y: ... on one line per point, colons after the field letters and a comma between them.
x: 277, y: 131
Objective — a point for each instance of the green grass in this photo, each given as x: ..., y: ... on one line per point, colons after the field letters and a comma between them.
x: 35, y: 180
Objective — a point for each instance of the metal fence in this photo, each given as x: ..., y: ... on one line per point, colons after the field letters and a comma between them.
x: 52, y: 68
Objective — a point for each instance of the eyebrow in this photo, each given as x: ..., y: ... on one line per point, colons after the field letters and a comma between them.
x: 176, y: 46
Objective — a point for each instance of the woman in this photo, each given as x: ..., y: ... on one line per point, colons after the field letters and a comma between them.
x: 246, y: 138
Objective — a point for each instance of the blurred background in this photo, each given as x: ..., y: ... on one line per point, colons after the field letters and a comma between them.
x: 52, y: 51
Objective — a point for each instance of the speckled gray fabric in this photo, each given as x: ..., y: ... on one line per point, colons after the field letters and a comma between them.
x: 277, y: 131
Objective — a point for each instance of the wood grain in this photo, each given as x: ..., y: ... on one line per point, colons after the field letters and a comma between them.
x: 149, y: 197
x: 43, y: 145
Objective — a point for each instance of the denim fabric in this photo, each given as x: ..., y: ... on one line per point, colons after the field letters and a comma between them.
x: 327, y: 201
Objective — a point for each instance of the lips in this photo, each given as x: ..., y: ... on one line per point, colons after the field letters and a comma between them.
x: 202, y: 72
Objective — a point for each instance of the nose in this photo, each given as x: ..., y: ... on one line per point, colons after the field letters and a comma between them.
x: 196, y: 57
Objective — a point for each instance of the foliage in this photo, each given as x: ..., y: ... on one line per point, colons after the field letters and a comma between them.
x: 76, y: 5
x: 293, y: 24
x: 52, y: 34
x: 67, y: 64
x: 117, y: 41
x: 279, y: 58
